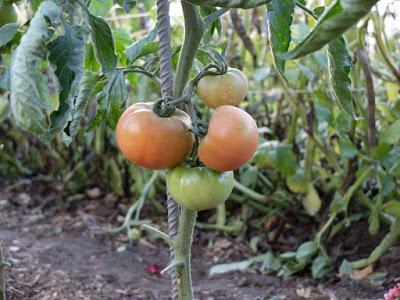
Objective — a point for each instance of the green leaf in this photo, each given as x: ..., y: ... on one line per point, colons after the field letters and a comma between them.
x: 229, y: 3
x: 29, y: 91
x: 100, y: 7
x: 339, y: 66
x: 392, y: 207
x: 87, y: 84
x: 312, y: 201
x: 391, y: 135
x: 321, y: 266
x: 143, y: 46
x: 305, y: 251
x: 67, y: 54
x: 336, y: 19
x: 103, y: 44
x: 127, y: 5
x: 279, y: 21
x: 345, y: 267
x: 111, y: 101
x: 7, y: 33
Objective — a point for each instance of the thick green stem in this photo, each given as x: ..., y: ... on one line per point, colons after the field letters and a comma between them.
x: 182, y: 244
x: 194, y: 30
x: 249, y: 192
x: 386, y: 243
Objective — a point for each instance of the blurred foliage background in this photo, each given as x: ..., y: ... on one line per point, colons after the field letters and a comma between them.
x: 317, y: 172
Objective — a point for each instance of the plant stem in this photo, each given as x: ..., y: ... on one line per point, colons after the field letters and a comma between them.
x: 249, y: 192
x: 182, y: 244
x: 386, y: 243
x: 194, y: 30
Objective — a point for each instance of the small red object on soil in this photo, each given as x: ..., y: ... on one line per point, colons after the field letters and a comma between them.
x: 394, y: 293
x: 154, y: 269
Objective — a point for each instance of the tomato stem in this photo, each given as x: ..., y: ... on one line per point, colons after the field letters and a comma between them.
x: 182, y: 245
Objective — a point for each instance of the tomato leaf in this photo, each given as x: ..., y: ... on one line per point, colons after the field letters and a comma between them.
x: 279, y: 21
x: 392, y: 207
x: 111, y: 101
x: 305, y: 251
x: 229, y: 3
x: 86, y: 86
x: 29, y: 91
x: 339, y: 66
x: 335, y: 20
x: 67, y: 54
x: 392, y: 134
x: 143, y: 46
x: 7, y: 33
x: 103, y: 43
x: 321, y: 266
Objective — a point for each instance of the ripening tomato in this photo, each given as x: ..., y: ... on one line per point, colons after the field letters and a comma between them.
x: 231, y: 140
x: 226, y: 89
x: 151, y: 141
x: 199, y: 188
x: 8, y: 14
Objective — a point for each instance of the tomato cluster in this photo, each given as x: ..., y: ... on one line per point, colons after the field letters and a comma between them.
x: 155, y: 142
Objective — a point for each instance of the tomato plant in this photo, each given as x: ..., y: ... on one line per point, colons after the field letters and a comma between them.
x: 199, y: 188
x: 231, y: 140
x: 226, y: 89
x: 151, y: 141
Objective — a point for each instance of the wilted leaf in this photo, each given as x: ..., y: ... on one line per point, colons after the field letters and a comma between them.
x: 111, y: 101
x: 392, y: 207
x: 29, y: 91
x: 67, y: 54
x: 312, y: 201
x: 87, y: 84
x: 335, y: 20
x: 279, y: 21
x: 362, y: 273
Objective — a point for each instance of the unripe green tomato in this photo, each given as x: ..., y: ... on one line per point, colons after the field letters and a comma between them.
x: 199, y: 188
x: 297, y: 183
x: 8, y: 14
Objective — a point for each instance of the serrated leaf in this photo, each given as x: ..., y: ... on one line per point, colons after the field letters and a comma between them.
x: 7, y: 33
x: 143, y: 46
x: 111, y: 101
x: 336, y: 19
x: 391, y: 135
x: 103, y: 44
x: 86, y: 86
x: 279, y: 20
x: 29, y: 91
x: 339, y: 66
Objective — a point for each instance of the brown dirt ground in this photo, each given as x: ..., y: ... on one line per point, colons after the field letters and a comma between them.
x: 58, y: 253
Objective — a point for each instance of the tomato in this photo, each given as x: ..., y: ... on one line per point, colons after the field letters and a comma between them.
x: 199, y: 188
x: 151, y: 141
x: 231, y: 140
x: 8, y: 14
x: 297, y: 182
x: 227, y: 89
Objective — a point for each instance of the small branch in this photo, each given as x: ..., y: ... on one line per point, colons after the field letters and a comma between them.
x: 171, y: 266
x: 307, y: 10
x: 249, y: 192
x: 386, y: 243
x: 156, y: 232
x: 140, y: 70
x: 211, y: 18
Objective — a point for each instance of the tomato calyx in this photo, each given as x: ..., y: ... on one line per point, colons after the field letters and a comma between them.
x: 164, y: 107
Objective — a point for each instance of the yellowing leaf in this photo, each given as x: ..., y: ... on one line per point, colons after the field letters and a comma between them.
x: 312, y: 201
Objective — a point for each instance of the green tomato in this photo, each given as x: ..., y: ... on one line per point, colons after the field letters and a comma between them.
x: 297, y: 183
x: 199, y: 188
x: 8, y: 14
